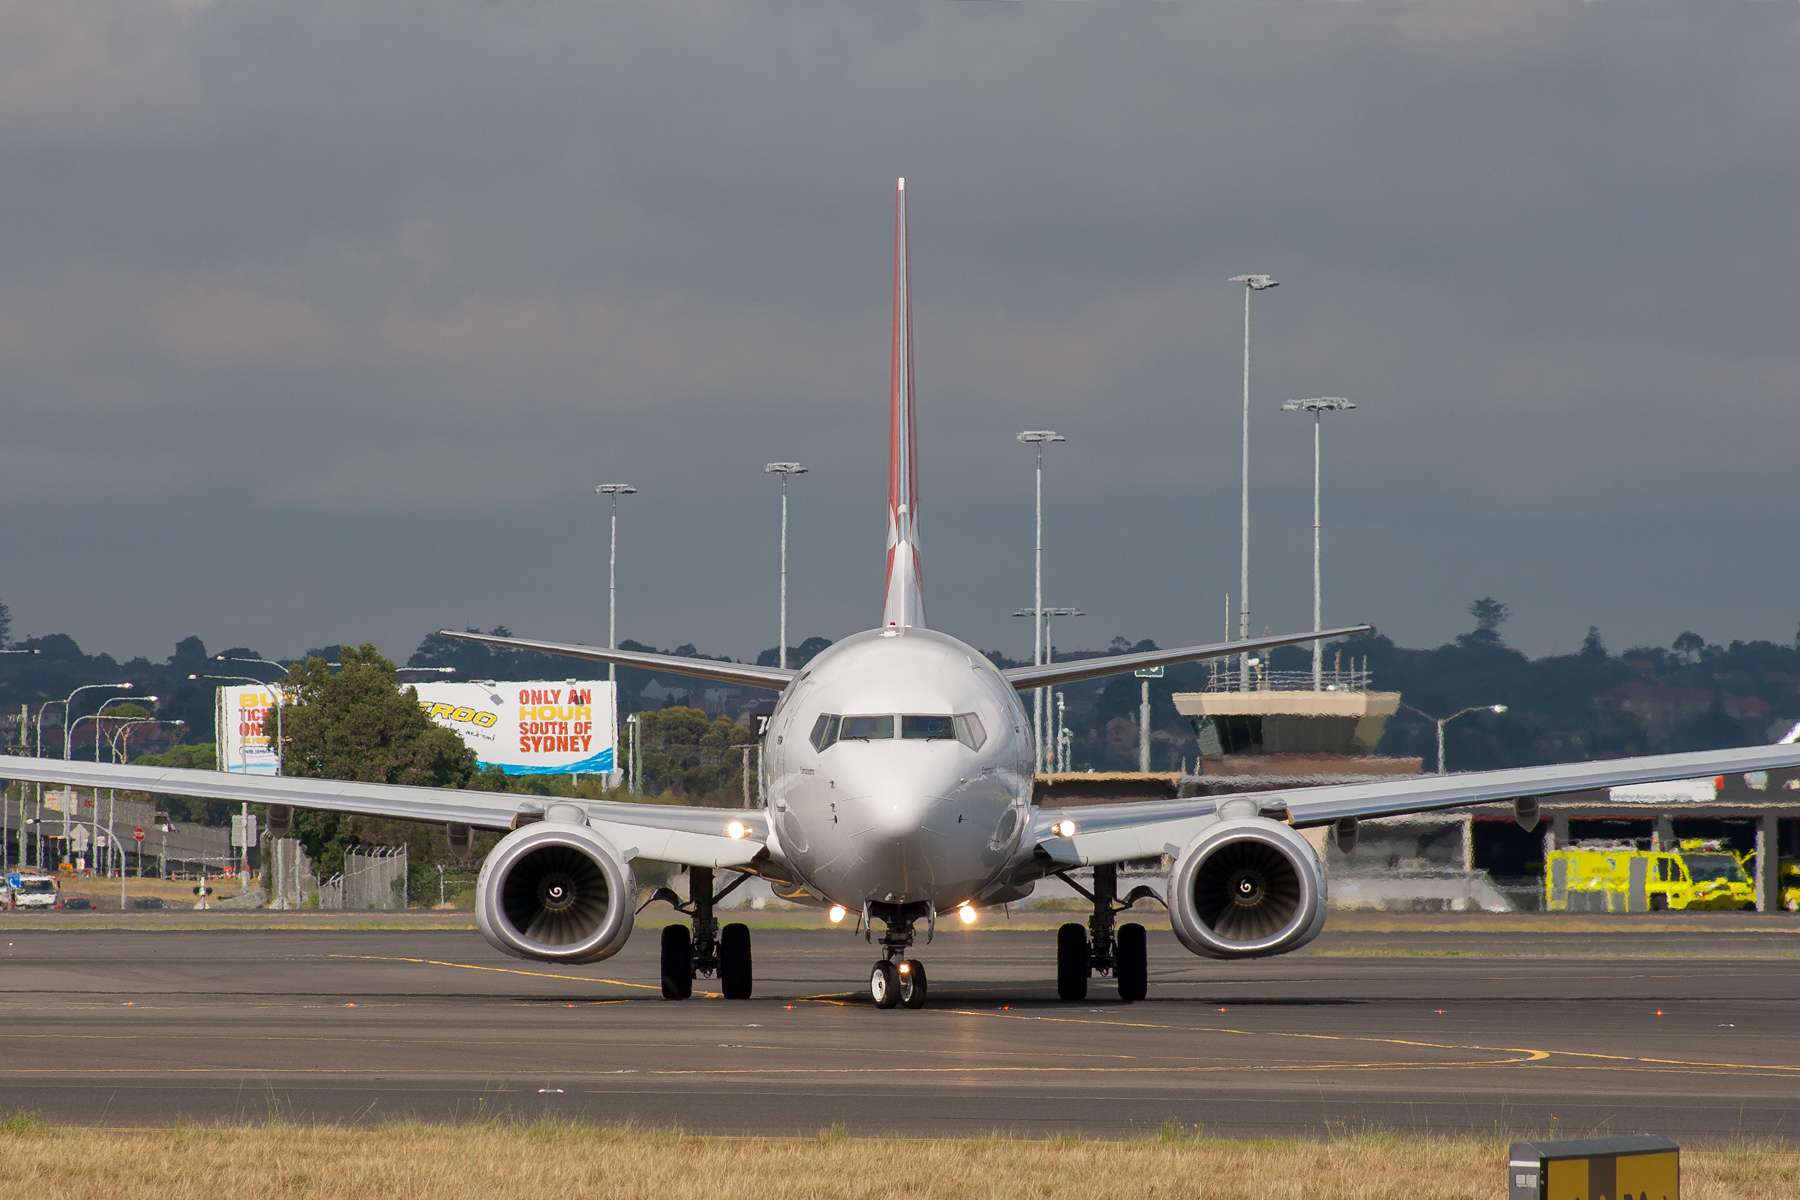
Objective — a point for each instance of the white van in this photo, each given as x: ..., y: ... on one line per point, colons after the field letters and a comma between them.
x: 31, y: 891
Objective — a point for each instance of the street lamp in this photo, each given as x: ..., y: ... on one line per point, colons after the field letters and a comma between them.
x: 1443, y: 721
x: 612, y: 491
x: 71, y: 700
x: 783, y: 469
x: 100, y: 731
x: 1045, y: 737
x: 1318, y: 407
x: 1035, y: 438
x: 1252, y: 283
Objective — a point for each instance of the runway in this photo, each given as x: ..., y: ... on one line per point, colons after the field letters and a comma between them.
x: 1691, y: 1035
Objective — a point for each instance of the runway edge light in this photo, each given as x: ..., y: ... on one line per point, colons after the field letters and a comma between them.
x: 1643, y: 1164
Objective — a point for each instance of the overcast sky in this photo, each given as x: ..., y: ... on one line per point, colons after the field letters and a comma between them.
x: 320, y: 322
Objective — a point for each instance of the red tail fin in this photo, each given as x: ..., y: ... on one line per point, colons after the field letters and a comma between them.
x: 904, y: 603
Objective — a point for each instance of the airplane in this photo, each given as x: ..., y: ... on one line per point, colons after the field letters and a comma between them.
x: 898, y: 773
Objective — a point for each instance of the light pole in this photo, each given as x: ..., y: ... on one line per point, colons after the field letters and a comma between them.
x: 1035, y: 438
x: 1252, y: 283
x: 1045, y: 653
x: 1443, y: 721
x: 1318, y: 407
x: 71, y: 700
x: 66, y: 747
x: 783, y: 469
x: 121, y: 744
x: 612, y: 491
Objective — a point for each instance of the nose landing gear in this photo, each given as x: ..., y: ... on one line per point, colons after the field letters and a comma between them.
x: 897, y: 980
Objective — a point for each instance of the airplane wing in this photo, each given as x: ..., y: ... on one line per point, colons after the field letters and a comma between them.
x: 1117, y: 832
x: 667, y: 664
x: 1025, y: 678
x: 700, y: 837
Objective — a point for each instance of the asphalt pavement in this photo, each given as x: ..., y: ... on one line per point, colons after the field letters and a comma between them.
x: 1447, y: 1029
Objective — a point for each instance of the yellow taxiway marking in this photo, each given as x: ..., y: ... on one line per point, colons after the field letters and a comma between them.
x: 1534, y: 1055
x: 434, y: 962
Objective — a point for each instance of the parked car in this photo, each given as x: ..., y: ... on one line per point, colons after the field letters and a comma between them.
x: 147, y: 902
x: 32, y: 891
x: 76, y: 902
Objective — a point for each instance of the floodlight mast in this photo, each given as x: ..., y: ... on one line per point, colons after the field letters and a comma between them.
x: 783, y: 469
x: 1317, y: 406
x: 613, y: 491
x: 1252, y: 283
x: 1035, y: 438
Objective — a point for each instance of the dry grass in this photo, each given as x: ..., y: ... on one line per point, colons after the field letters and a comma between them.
x: 523, y: 1162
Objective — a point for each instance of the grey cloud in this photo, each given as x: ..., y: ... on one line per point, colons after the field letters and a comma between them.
x: 368, y: 297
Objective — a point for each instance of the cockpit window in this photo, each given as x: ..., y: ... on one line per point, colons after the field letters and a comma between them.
x: 866, y: 728
x: 824, y: 731
x: 927, y: 728
x: 969, y: 731
x: 830, y: 728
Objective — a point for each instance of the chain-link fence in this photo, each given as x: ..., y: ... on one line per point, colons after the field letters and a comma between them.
x: 375, y: 879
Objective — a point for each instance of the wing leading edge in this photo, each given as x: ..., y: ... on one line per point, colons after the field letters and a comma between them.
x: 692, y: 836
x: 1023, y: 678
x: 701, y: 668
x: 1118, y: 832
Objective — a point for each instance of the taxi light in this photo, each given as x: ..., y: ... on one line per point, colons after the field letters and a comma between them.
x: 967, y: 914
x: 1064, y: 828
x: 906, y: 968
x: 836, y: 914
x: 737, y: 831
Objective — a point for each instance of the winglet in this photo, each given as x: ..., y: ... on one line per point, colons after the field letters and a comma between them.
x: 903, y: 602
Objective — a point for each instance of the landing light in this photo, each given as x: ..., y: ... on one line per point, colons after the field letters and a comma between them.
x: 836, y: 914
x: 737, y: 831
x: 906, y: 968
x: 1063, y: 828
x: 967, y: 914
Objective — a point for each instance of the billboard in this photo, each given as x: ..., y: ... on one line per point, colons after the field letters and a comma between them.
x: 535, y: 728
x: 243, y: 745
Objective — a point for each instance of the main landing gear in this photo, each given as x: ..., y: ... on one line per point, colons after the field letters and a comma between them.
x: 897, y: 980
x: 708, y: 949
x: 1100, y: 948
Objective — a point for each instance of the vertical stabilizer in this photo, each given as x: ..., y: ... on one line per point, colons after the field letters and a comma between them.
x: 904, y: 603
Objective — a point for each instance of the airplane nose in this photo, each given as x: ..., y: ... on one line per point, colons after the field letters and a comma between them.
x: 896, y: 814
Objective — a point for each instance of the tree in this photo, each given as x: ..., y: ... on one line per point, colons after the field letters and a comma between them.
x: 1592, y: 648
x: 5, y: 623
x: 686, y: 754
x: 358, y: 724
x: 1688, y: 645
x: 1489, y: 615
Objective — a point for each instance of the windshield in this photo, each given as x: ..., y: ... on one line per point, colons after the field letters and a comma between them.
x: 36, y: 885
x: 1710, y: 868
x: 866, y: 727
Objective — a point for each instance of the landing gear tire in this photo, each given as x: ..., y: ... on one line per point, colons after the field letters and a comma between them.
x: 1072, y: 968
x: 1131, y: 963
x: 734, y: 962
x: 884, y: 985
x: 677, y: 963
x: 912, y: 983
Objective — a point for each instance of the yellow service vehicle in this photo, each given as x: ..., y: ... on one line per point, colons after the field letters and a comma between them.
x: 1790, y: 885
x: 1620, y: 878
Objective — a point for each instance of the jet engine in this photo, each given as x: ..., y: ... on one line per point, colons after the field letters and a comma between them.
x: 556, y: 891
x: 1246, y: 887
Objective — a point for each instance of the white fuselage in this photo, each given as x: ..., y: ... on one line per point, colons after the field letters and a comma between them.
x: 907, y: 803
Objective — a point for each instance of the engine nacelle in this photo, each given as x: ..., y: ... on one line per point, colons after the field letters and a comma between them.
x: 1245, y: 887
x: 556, y: 891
